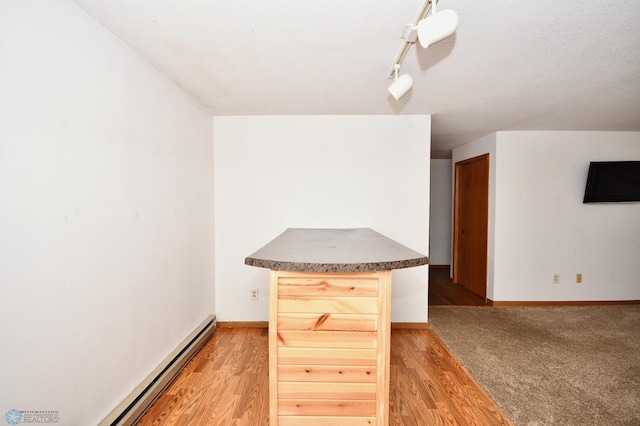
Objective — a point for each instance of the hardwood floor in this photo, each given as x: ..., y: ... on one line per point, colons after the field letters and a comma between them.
x: 226, y: 383
x: 443, y: 292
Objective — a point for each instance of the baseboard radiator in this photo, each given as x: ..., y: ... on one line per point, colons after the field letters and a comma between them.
x: 129, y: 411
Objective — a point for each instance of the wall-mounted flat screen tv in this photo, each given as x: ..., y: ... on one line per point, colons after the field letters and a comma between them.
x: 613, y: 181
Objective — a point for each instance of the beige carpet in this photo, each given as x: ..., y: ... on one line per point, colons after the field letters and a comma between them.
x: 577, y: 365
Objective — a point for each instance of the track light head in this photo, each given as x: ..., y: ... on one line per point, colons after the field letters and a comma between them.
x: 400, y: 86
x: 436, y: 27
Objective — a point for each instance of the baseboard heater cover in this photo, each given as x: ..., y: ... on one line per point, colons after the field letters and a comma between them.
x: 129, y: 411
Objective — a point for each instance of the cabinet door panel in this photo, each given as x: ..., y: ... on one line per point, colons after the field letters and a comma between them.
x: 327, y: 373
x: 327, y: 391
x: 329, y: 322
x: 326, y: 421
x: 328, y: 287
x: 319, y: 407
x: 331, y: 305
x: 327, y: 356
x: 328, y: 339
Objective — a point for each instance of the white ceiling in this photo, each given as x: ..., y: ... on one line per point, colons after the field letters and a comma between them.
x: 512, y: 65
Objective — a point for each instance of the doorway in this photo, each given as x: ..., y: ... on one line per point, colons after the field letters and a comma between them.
x: 471, y: 224
x: 443, y: 292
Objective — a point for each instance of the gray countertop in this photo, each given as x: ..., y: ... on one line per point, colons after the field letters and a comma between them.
x: 334, y: 250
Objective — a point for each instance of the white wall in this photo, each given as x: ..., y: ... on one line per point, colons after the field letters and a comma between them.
x: 484, y: 145
x: 542, y: 226
x: 273, y: 173
x: 539, y: 225
x: 106, y: 207
x: 440, y: 213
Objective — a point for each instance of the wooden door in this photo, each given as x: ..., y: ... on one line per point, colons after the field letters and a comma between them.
x: 471, y: 224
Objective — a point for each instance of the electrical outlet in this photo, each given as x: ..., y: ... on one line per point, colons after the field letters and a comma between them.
x: 254, y: 294
x: 578, y: 278
x: 556, y: 278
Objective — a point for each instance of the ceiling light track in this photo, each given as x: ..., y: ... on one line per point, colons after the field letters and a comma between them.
x: 427, y: 30
x: 408, y: 43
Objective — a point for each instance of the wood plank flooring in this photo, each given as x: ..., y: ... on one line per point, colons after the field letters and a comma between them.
x: 226, y: 383
x: 443, y: 292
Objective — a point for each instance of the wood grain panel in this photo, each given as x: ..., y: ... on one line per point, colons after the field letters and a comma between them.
x: 320, y: 407
x: 327, y: 339
x: 331, y: 305
x: 384, y: 346
x: 329, y: 286
x: 329, y: 322
x: 326, y: 421
x: 327, y: 391
x: 328, y: 330
x: 273, y: 347
x: 326, y: 373
x: 326, y: 356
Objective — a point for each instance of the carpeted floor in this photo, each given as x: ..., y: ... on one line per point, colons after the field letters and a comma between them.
x: 576, y: 365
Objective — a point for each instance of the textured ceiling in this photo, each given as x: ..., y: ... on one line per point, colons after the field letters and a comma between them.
x: 511, y: 65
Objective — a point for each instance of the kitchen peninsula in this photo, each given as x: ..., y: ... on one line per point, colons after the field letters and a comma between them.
x: 329, y: 324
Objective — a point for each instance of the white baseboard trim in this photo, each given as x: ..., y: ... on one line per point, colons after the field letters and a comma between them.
x: 129, y: 411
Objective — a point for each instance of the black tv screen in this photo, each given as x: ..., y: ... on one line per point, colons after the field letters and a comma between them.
x: 613, y: 181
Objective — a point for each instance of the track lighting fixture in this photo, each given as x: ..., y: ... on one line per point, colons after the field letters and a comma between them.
x: 429, y: 30
x: 401, y: 84
x: 437, y: 26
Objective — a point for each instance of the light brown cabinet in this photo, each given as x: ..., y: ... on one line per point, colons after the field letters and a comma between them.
x: 329, y: 340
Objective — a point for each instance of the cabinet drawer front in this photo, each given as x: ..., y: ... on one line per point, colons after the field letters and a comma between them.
x: 324, y: 408
x: 328, y: 339
x: 328, y: 322
x: 327, y: 373
x: 326, y: 421
x: 328, y: 287
x: 327, y: 391
x: 331, y: 305
x: 327, y: 356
